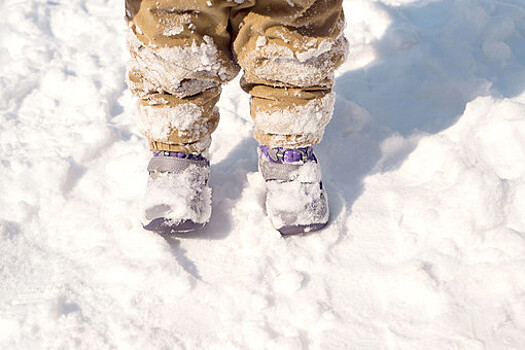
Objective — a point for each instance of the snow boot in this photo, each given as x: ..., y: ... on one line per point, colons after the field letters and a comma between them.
x: 296, y: 201
x: 178, y: 198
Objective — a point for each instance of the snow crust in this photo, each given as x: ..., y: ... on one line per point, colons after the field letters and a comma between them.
x: 185, y: 195
x: 310, y: 118
x: 308, y: 172
x: 180, y: 71
x: 309, y: 64
x: 295, y: 203
x: 423, y: 163
x: 174, y: 25
x: 294, y: 197
x: 158, y: 122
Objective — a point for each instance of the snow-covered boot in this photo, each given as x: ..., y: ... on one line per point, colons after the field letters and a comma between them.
x: 178, y: 198
x: 296, y: 201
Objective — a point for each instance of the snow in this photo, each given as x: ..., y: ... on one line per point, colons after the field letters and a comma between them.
x: 295, y: 203
x: 308, y: 64
x: 175, y: 24
x: 314, y: 115
x: 159, y: 122
x: 181, y: 71
x: 423, y: 163
x: 178, y: 196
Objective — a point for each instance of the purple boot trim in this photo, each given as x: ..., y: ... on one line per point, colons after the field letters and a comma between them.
x: 190, y: 156
x: 282, y: 155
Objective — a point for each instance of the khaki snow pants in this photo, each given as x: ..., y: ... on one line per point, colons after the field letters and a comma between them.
x: 182, y: 51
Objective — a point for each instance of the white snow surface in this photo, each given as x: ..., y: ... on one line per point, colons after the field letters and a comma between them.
x: 424, y: 164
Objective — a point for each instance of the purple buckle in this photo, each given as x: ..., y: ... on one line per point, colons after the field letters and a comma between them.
x: 288, y: 155
x: 189, y: 156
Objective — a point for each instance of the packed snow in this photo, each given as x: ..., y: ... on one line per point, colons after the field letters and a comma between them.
x: 314, y: 115
x: 177, y: 190
x: 423, y: 162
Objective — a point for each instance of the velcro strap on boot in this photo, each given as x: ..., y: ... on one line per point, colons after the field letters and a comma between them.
x: 173, y: 164
x: 309, y: 172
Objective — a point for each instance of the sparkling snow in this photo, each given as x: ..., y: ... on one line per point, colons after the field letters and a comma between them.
x: 424, y: 164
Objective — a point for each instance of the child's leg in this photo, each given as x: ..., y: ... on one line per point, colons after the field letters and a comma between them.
x: 289, y: 51
x: 180, y: 56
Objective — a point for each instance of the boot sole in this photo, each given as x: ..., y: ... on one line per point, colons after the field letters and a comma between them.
x: 164, y: 227
x: 299, y: 229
